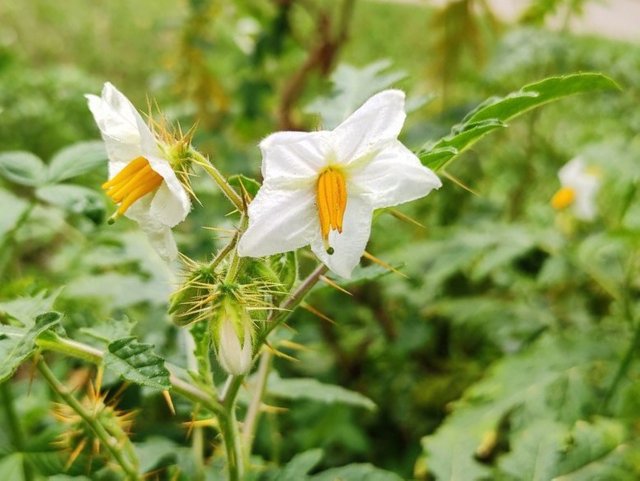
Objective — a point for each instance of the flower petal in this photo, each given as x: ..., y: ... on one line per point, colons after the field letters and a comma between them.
x: 121, y: 126
x: 279, y: 221
x: 395, y: 175
x: 159, y: 235
x: 377, y: 122
x: 349, y: 246
x: 294, y: 155
x: 171, y: 204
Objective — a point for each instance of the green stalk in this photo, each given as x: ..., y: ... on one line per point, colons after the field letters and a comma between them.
x: 250, y: 423
x: 17, y: 436
x: 229, y: 429
x: 219, y: 179
x: 110, y: 442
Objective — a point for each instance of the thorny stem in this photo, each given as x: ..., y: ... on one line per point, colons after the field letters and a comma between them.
x: 219, y: 179
x: 79, y: 350
x: 17, y: 436
x: 110, y: 442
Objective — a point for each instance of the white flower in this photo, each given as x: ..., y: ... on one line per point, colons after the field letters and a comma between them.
x: 141, y: 179
x: 321, y: 188
x: 580, y: 184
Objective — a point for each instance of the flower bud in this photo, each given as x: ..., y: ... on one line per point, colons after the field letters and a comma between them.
x: 193, y: 301
x: 232, y: 333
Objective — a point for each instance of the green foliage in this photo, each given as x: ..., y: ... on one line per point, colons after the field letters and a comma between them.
x: 137, y: 363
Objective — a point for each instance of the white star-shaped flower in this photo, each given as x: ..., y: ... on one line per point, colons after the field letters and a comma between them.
x: 580, y: 184
x: 141, y: 179
x: 321, y: 188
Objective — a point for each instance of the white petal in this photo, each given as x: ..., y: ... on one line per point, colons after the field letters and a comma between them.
x: 294, y: 154
x: 171, y: 202
x: 571, y: 171
x: 279, y: 221
x: 395, y: 175
x: 377, y: 122
x: 350, y: 245
x: 159, y: 235
x: 122, y: 128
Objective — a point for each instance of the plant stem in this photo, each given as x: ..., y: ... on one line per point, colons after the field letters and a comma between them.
x: 219, y: 179
x: 17, y: 436
x: 253, y: 413
x: 229, y: 429
x: 79, y: 350
x: 110, y: 442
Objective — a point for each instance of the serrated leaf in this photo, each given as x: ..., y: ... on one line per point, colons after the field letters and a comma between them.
x: 110, y: 329
x: 22, y: 168
x: 137, y: 363
x: 16, y: 345
x: 76, y: 160
x: 357, y: 472
x: 535, y: 452
x: 73, y: 198
x: 311, y: 389
x: 298, y: 468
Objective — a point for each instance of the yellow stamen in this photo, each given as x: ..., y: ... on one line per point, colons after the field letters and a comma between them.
x: 331, y: 197
x: 136, y: 180
x: 563, y: 198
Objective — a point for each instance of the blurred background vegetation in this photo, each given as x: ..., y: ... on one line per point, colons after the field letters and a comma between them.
x: 515, y: 328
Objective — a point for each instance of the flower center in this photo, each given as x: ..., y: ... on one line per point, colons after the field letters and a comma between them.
x: 563, y: 198
x: 331, y: 197
x: 136, y: 180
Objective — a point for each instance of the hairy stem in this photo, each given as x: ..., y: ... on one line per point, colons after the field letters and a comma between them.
x: 219, y: 179
x: 229, y: 428
x: 111, y: 443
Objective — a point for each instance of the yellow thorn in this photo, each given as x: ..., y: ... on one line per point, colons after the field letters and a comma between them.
x: 280, y: 353
x: 382, y: 263
x: 404, y: 217
x: 317, y: 313
x: 294, y: 345
x: 169, y: 401
x: 328, y: 281
x: 458, y: 182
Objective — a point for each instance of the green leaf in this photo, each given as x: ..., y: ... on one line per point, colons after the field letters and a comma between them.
x: 154, y: 451
x: 11, y: 467
x: 10, y: 218
x: 73, y: 198
x: 137, y: 363
x: 539, y: 93
x: 16, y: 345
x: 536, y: 451
x: 76, y: 160
x: 494, y: 112
x: 22, y: 168
x: 357, y: 472
x: 26, y: 309
x: 298, y: 468
x: 457, y: 142
x: 307, y: 388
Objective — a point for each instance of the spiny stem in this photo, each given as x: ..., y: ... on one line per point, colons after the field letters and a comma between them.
x: 79, y: 350
x: 107, y: 439
x: 17, y: 436
x: 219, y: 179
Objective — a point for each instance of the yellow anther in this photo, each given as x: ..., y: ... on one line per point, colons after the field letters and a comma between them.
x: 136, y: 180
x: 563, y: 198
x: 331, y: 198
